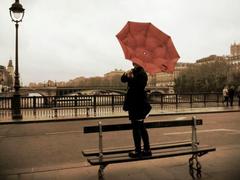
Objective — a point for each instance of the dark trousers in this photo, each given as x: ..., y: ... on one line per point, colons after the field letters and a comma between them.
x: 231, y: 100
x: 226, y: 99
x: 140, y: 133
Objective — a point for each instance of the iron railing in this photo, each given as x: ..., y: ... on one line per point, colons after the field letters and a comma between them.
x: 38, y: 102
x: 101, y: 105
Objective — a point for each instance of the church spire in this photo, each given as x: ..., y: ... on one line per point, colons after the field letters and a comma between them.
x: 10, y: 63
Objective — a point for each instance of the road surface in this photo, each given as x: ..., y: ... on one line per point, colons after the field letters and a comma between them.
x: 50, y: 147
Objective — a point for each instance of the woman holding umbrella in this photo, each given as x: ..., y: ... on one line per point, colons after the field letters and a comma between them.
x: 138, y: 108
x: 151, y: 49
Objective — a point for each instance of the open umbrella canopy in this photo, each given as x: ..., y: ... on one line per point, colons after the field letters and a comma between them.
x: 147, y: 46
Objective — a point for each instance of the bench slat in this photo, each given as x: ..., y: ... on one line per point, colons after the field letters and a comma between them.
x: 119, y: 158
x: 117, y: 150
x: 128, y: 126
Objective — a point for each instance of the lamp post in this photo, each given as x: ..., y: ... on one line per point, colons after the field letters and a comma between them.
x: 16, y: 14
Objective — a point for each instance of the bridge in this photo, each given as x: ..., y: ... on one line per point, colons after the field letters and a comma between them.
x: 61, y: 91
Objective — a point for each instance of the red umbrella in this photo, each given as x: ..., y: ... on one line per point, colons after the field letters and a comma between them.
x: 148, y: 47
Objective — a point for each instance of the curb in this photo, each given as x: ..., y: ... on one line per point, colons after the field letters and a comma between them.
x: 116, y: 116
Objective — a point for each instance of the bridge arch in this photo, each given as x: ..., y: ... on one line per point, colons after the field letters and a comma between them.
x: 61, y: 91
x: 42, y: 91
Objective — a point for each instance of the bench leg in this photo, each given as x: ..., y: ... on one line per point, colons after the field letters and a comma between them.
x: 101, y: 172
x: 194, y: 165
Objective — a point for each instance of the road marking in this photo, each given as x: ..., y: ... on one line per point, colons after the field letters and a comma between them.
x: 235, y: 132
x: 181, y: 118
x: 232, y: 131
x: 63, y: 132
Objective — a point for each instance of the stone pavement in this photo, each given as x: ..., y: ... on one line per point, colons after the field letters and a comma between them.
x: 219, y: 165
x: 222, y: 164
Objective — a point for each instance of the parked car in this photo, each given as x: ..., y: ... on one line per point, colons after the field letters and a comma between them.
x: 155, y: 96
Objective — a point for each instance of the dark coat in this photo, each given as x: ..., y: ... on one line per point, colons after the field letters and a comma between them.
x: 231, y: 92
x: 136, y: 102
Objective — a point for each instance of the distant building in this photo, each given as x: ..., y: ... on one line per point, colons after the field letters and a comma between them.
x: 32, y: 85
x: 112, y: 74
x: 179, y: 68
x: 235, y: 49
x: 3, y: 73
x: 10, y: 68
x: 166, y: 80
x: 233, y: 61
x: 210, y: 59
x: 6, y: 77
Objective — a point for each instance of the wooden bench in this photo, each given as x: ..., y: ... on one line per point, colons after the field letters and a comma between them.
x: 162, y: 150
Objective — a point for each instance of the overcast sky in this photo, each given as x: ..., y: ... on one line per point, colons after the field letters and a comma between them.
x: 64, y: 39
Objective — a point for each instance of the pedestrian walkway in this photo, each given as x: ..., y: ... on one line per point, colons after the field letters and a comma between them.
x: 154, y: 112
x: 220, y: 165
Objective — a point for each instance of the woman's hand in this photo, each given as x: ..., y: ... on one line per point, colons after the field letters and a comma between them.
x: 129, y: 74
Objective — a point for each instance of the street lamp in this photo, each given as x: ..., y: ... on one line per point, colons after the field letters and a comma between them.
x: 16, y: 14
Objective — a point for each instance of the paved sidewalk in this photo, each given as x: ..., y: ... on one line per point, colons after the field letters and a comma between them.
x: 222, y: 164
x: 154, y: 112
x: 219, y: 165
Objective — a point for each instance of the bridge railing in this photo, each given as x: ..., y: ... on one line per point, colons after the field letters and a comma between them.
x: 190, y: 99
x: 38, y: 102
x: 95, y: 101
x: 101, y: 105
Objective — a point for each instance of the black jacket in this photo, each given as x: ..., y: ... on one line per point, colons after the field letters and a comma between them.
x: 136, y: 102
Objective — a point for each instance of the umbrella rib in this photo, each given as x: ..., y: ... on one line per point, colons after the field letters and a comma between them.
x: 130, y: 32
x: 146, y: 33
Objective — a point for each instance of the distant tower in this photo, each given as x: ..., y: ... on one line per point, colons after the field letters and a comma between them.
x: 10, y: 70
x: 235, y: 49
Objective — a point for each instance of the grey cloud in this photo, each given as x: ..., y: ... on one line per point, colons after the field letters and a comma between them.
x: 60, y: 40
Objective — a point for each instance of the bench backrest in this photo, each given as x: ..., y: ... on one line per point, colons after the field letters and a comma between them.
x: 128, y: 126
x: 159, y: 124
